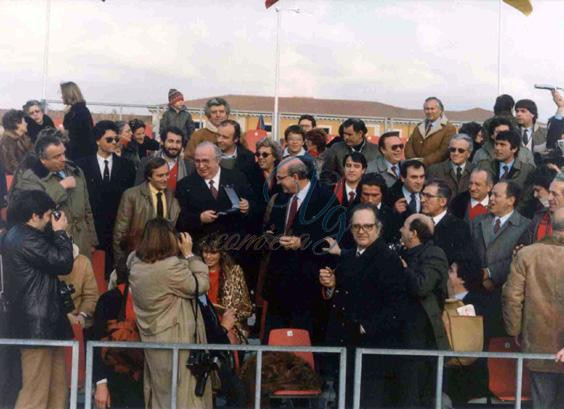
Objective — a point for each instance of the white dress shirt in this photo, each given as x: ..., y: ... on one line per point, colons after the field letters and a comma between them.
x: 439, y: 217
x: 102, y: 165
x: 485, y: 202
x: 301, y: 195
x: 215, y: 180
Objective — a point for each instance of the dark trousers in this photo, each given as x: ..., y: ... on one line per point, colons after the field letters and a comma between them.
x: 547, y: 390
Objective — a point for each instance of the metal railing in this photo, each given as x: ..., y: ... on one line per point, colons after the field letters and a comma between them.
x: 259, y: 349
x: 50, y: 343
x: 440, y: 367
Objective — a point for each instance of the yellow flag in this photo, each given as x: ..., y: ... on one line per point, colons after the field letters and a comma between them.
x: 524, y: 6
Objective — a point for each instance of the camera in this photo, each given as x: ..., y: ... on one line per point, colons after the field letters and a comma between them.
x: 57, y: 213
x: 65, y: 291
x: 201, y: 363
x: 397, y: 248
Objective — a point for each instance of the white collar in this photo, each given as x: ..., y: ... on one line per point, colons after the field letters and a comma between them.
x: 359, y: 251
x: 101, y: 159
x: 439, y: 217
x: 503, y: 219
x: 349, y: 189
x: 232, y: 156
x: 285, y: 154
x: 463, y: 166
x: 484, y: 202
x: 215, y: 179
x: 460, y: 296
x: 302, y: 193
x: 407, y: 193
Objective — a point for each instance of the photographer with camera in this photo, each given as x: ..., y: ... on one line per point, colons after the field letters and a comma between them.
x: 165, y: 282
x: 36, y: 250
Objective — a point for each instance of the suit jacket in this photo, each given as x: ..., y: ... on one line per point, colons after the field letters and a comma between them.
x: 105, y: 198
x: 343, y: 198
x: 134, y: 211
x: 380, y: 167
x: 452, y: 235
x: 446, y: 173
x: 194, y: 197
x: 518, y: 172
x: 496, y: 250
x: 246, y: 164
x: 394, y: 194
x: 333, y: 168
x: 486, y: 152
x: 433, y: 147
x: 370, y: 292
x: 292, y: 282
x: 184, y: 168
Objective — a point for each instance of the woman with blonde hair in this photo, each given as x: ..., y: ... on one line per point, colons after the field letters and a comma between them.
x: 77, y: 122
x: 165, y: 281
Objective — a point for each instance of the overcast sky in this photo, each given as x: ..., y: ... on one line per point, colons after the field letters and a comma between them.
x: 395, y: 52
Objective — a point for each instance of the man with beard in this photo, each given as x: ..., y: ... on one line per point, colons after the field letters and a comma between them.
x: 171, y: 140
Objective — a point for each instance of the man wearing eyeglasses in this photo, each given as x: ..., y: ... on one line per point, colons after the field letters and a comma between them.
x: 107, y: 177
x: 388, y: 165
x: 367, y: 298
x: 456, y: 170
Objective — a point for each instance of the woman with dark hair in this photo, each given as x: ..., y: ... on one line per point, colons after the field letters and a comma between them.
x: 78, y: 122
x: 316, y: 142
x: 166, y: 280
x: 143, y: 142
x: 36, y: 118
x: 126, y: 147
x: 228, y: 290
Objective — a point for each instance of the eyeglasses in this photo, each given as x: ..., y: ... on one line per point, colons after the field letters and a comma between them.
x: 366, y: 227
x: 109, y: 139
x: 459, y: 150
x: 398, y: 146
x: 263, y: 155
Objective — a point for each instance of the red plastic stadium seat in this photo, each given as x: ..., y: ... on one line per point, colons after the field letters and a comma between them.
x: 99, y: 267
x: 502, y: 372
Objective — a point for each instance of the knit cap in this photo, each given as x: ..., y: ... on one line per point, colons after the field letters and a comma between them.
x: 174, y: 96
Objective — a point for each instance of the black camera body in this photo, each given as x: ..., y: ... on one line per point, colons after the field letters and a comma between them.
x: 57, y: 213
x: 201, y: 363
x: 65, y: 291
x: 397, y: 248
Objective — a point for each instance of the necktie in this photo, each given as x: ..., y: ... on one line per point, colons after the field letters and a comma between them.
x: 292, y: 214
x: 395, y: 170
x: 428, y: 125
x: 505, y: 173
x: 213, y: 190
x: 358, y: 254
x: 160, y: 207
x: 413, y: 204
x: 526, y: 137
x: 106, y: 177
x: 497, y: 225
x: 351, y: 198
x: 458, y: 172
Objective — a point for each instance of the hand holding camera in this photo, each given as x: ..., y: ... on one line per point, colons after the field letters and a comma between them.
x: 185, y: 244
x: 59, y: 220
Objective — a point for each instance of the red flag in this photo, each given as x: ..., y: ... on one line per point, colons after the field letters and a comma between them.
x: 268, y: 3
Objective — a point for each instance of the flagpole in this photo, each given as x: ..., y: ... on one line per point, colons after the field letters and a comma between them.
x: 274, y: 132
x: 499, y: 22
x: 46, y: 49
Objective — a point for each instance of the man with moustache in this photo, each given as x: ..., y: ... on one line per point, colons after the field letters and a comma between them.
x: 474, y: 202
x: 391, y: 147
x: 171, y: 149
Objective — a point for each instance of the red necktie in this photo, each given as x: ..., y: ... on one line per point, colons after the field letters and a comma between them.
x: 213, y: 190
x: 292, y: 214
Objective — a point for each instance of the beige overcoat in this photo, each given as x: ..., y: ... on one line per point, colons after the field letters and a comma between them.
x: 164, y: 295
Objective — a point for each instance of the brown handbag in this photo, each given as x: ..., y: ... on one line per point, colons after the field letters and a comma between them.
x: 465, y: 334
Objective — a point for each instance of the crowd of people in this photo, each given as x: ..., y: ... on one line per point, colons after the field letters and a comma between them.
x: 360, y: 244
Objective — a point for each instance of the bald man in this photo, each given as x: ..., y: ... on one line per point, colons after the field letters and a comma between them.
x: 427, y: 275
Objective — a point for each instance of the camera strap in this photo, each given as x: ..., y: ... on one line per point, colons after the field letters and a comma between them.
x: 195, y: 308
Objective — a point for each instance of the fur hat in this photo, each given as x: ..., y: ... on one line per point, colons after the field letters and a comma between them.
x: 174, y: 96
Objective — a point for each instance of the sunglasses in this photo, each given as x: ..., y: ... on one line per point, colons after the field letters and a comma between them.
x: 398, y: 146
x: 109, y: 139
x: 263, y: 155
x: 459, y: 150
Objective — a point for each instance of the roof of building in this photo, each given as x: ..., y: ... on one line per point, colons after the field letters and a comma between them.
x: 339, y: 107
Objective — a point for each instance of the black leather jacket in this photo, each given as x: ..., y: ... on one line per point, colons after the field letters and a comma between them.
x: 32, y: 261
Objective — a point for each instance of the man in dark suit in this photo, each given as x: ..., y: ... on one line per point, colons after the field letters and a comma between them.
x: 107, y: 177
x: 368, y: 298
x: 302, y: 216
x: 496, y: 234
x: 205, y: 205
x: 404, y: 197
x: 456, y: 170
x: 451, y: 233
x: 354, y: 133
x: 348, y: 188
x: 236, y: 156
x: 474, y: 202
x: 507, y: 166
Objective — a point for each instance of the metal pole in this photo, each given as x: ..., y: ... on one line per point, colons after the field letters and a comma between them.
x: 499, y: 21
x: 174, y: 389
x: 519, y: 386
x: 357, y: 378
x: 88, y: 381
x: 342, y: 378
x: 74, y: 376
x: 46, y: 48
x: 276, y: 75
x: 258, y: 379
x: 439, y: 385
